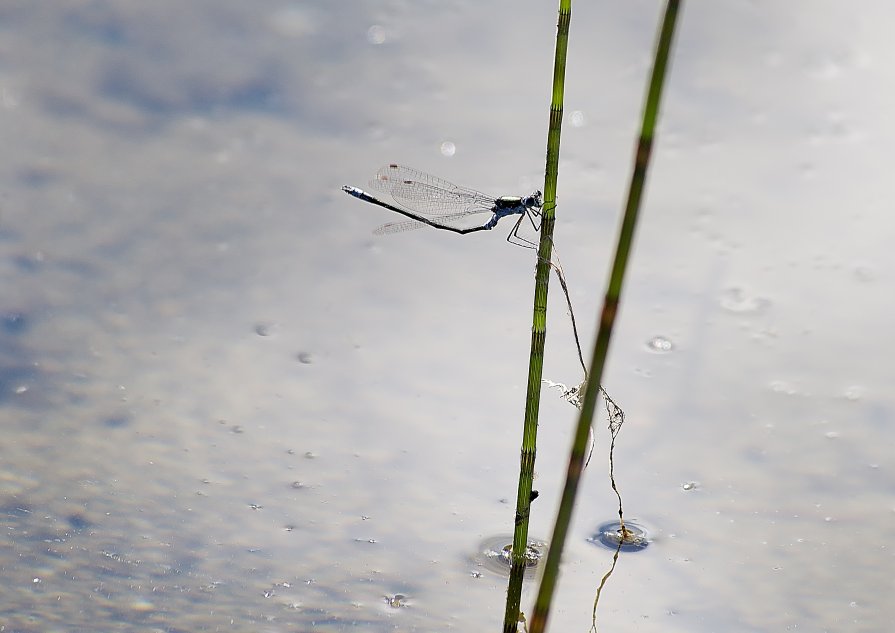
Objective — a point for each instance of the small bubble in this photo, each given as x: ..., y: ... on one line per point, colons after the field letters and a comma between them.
x: 831, y: 435
x: 578, y: 119
x: 305, y: 358
x: 36, y: 580
x: 376, y: 34
x: 448, y: 149
x: 660, y: 344
x: 298, y: 485
x: 263, y: 329
x: 690, y: 485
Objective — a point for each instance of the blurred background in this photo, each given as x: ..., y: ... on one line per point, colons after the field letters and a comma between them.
x: 226, y: 405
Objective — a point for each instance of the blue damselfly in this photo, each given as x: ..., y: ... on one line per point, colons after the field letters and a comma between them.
x: 429, y: 200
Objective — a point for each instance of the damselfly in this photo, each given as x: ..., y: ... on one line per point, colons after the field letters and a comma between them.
x: 429, y: 200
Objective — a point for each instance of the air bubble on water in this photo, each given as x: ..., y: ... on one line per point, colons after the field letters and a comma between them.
x: 376, y: 34
x: 660, y: 344
x: 448, y: 149
x: 690, y: 485
x: 578, y: 119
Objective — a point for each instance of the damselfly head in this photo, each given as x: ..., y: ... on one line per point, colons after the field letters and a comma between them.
x: 534, y: 200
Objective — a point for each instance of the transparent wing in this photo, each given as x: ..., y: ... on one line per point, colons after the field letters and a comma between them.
x: 428, y: 195
x: 450, y: 219
x: 398, y: 227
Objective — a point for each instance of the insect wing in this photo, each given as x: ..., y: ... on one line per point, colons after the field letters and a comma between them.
x: 398, y: 227
x: 428, y: 195
x: 450, y: 219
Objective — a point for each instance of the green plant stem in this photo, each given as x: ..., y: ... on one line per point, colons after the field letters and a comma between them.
x: 539, y: 326
x: 540, y: 613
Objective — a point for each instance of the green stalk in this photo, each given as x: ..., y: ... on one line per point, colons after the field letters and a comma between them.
x: 538, y: 620
x: 539, y: 326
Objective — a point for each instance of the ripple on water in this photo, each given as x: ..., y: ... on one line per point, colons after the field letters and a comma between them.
x: 609, y: 534
x: 494, y: 555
